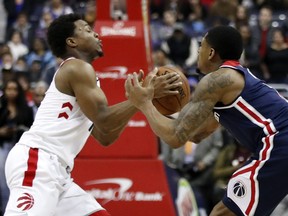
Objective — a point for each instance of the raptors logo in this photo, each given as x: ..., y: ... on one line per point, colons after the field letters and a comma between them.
x: 239, y: 189
x: 25, y: 202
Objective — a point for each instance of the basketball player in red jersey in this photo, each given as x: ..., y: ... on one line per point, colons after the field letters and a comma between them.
x: 38, y: 167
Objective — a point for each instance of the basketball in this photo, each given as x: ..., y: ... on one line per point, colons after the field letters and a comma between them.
x: 171, y: 104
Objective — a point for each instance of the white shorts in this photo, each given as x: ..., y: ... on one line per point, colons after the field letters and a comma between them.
x: 40, y: 185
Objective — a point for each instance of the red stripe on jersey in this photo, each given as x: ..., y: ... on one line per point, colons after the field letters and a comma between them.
x: 256, y: 117
x: 230, y: 63
x: 263, y: 158
x: 30, y: 173
x: 252, y: 169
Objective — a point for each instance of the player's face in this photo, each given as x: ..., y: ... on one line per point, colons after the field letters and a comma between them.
x: 87, y: 40
x: 203, y: 56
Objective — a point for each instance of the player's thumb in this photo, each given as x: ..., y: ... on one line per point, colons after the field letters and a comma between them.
x: 154, y: 71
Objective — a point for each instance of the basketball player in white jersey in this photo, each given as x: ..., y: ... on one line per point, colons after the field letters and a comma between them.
x: 38, y: 167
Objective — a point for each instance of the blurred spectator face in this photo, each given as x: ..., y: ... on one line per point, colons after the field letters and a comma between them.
x: 169, y: 18
x: 241, y: 12
x: 16, y: 38
x: 194, y: 2
x: 56, y: 3
x: 265, y: 16
x: 245, y: 32
x: 7, y: 61
x: 22, y: 19
x: 90, y: 13
x: 278, y: 37
x: 38, y: 45
x: 159, y: 58
x: 47, y: 18
x: 38, y: 95
x: 20, y: 65
x: 5, y: 49
x: 11, y: 90
x: 35, y: 67
x: 24, y: 82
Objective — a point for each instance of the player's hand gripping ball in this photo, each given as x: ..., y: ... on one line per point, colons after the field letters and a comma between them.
x: 171, y: 104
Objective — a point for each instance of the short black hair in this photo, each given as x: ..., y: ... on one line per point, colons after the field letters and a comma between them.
x: 59, y: 30
x: 226, y: 41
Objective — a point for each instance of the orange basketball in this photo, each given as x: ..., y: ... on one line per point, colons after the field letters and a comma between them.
x: 171, y: 104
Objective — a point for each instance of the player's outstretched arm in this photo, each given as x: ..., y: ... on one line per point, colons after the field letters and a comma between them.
x: 195, y: 120
x: 109, y: 121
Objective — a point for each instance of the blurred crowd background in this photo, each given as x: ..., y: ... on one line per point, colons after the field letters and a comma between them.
x: 27, y: 67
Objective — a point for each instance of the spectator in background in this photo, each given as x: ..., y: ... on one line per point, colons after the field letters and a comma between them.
x: 6, y: 67
x: 35, y: 72
x: 157, y: 8
x: 48, y: 74
x: 15, y: 7
x: 57, y: 8
x: 192, y: 10
x: 20, y: 66
x: 6, y: 60
x: 41, y: 28
x: 160, y: 58
x: 118, y: 10
x: 200, y: 160
x: 90, y: 12
x: 224, y: 9
x: 23, y: 80
x: 23, y: 26
x: 250, y: 57
x: 262, y: 31
x: 16, y: 45
x: 15, y: 118
x: 162, y: 29
x: 39, y: 52
x: 275, y: 62
x: 195, y: 163
x: 241, y: 18
x: 181, y: 48
x: 38, y: 95
x: 194, y: 15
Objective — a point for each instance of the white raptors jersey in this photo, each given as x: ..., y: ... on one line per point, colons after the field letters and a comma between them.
x: 60, y: 127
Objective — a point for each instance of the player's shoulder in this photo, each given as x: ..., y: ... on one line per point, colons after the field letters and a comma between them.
x: 220, y: 82
x: 76, y: 64
x: 224, y: 76
x: 219, y: 77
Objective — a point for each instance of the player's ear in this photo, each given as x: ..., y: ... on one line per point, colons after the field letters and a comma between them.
x: 212, y: 53
x: 71, y: 42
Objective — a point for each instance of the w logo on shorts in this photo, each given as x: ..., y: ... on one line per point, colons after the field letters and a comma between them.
x: 239, y: 189
x: 25, y: 202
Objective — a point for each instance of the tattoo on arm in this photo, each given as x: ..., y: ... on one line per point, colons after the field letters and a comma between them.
x: 193, y: 117
x: 218, y: 80
x: 201, y: 107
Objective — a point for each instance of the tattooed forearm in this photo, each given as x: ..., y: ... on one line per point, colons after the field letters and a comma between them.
x: 193, y: 117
